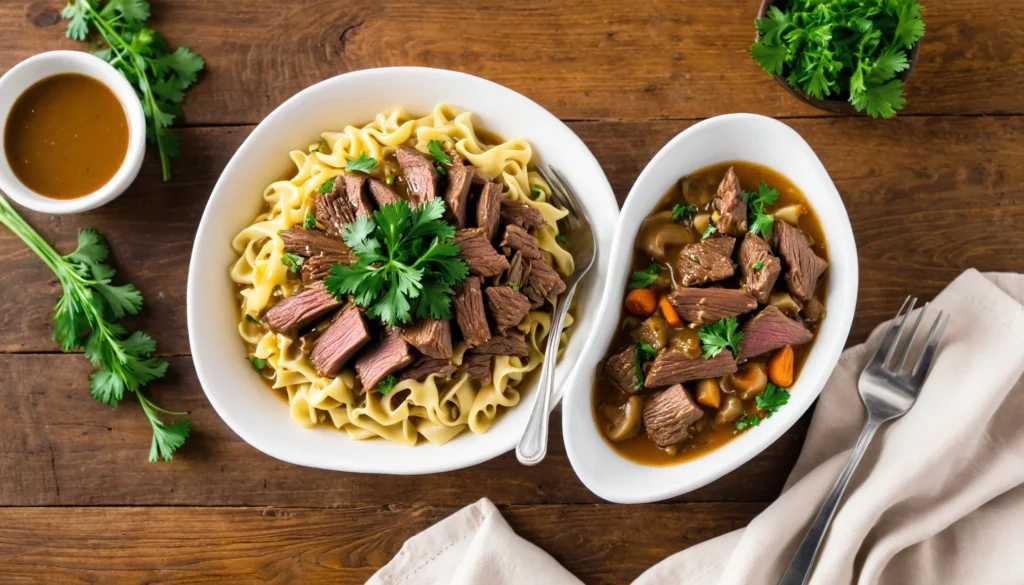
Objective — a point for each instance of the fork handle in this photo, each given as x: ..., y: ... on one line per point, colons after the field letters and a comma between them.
x: 533, y: 446
x: 799, y: 570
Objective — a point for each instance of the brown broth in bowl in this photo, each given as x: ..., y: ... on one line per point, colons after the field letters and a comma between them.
x: 66, y: 136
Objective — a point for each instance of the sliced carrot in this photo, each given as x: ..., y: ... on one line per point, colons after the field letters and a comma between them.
x: 641, y: 302
x: 780, y: 367
x: 669, y: 312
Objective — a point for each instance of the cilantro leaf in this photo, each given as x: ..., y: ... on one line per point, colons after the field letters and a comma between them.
x: 745, y: 422
x: 720, y: 335
x: 772, y: 399
x: 537, y: 191
x: 327, y: 186
x: 362, y: 163
x: 309, y: 222
x: 757, y: 266
x: 643, y: 352
x: 880, y: 101
x: 644, y: 278
x: 292, y: 261
x: 251, y: 319
x: 257, y: 363
x: 708, y: 231
x: 434, y: 146
x: 762, y: 221
x: 385, y: 385
x: 681, y: 211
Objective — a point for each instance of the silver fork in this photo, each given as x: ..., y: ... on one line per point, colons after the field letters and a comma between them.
x: 582, y: 244
x: 887, y: 392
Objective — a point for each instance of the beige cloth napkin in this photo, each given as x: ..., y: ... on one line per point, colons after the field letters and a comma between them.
x: 939, y: 497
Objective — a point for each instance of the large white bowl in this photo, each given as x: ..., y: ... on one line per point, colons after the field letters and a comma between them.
x: 724, y: 138
x: 239, y: 396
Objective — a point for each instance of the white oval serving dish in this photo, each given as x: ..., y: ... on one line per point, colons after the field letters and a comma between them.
x: 724, y: 138
x: 237, y: 393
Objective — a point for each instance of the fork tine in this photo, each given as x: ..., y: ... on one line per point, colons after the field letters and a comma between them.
x: 910, y: 339
x: 924, y: 363
x: 885, y: 349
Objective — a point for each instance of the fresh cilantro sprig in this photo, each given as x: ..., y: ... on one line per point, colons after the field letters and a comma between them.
x: 385, y: 385
x: 292, y: 261
x: 769, y: 402
x: 257, y: 363
x: 362, y: 164
x: 760, y: 220
x: 757, y: 266
x: 851, y: 49
x: 643, y: 352
x: 442, y: 158
x: 751, y: 420
x: 309, y: 222
x: 86, y: 317
x: 681, y: 211
x: 406, y: 263
x: 160, y: 77
x: 644, y: 278
x: 708, y: 232
x: 720, y: 335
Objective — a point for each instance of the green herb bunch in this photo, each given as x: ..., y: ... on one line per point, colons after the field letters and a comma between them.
x: 86, y: 317
x: 850, y: 49
x: 406, y: 263
x: 160, y: 77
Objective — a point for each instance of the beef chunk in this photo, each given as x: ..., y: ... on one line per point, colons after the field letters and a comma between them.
x: 507, y: 306
x: 813, y: 310
x: 620, y: 370
x: 516, y: 238
x: 729, y: 204
x: 357, y: 198
x: 668, y: 415
x: 309, y: 243
x: 769, y: 330
x: 518, y: 272
x: 480, y: 256
x: 469, y: 312
x: 478, y: 366
x: 460, y: 179
x: 512, y: 343
x: 705, y: 261
x: 385, y: 357
x: 420, y: 175
x: 488, y: 210
x: 318, y: 267
x: 300, y: 309
x: 340, y: 341
x: 382, y: 194
x: 804, y: 267
x: 544, y: 282
x: 432, y: 337
x: 521, y: 214
x: 759, y: 269
x: 675, y: 367
x: 707, y: 305
x: 425, y: 366
x: 333, y: 210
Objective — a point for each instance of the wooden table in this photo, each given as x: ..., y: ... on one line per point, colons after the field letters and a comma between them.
x: 934, y: 192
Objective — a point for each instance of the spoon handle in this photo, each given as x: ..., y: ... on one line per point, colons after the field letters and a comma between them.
x: 533, y: 446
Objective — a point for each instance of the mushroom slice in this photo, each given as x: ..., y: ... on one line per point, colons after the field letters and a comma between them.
x: 625, y: 419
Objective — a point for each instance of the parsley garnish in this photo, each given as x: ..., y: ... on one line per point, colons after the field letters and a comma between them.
x: 86, y: 317
x: 762, y: 221
x: 514, y: 286
x: 708, y: 231
x: 644, y: 278
x: 362, y: 163
x: 751, y: 420
x: 257, y: 363
x: 310, y: 222
x: 642, y: 352
x: 681, y: 211
x: 771, y: 399
x: 561, y: 239
x: 852, y: 50
x: 406, y: 263
x: 434, y: 146
x: 537, y: 191
x: 251, y: 319
x: 292, y: 261
x: 720, y: 335
x: 326, y: 186
x: 757, y: 266
x: 385, y: 385
x: 160, y: 77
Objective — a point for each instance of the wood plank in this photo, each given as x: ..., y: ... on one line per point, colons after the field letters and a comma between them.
x: 598, y: 543
x: 928, y: 198
x: 648, y: 60
x: 59, y: 447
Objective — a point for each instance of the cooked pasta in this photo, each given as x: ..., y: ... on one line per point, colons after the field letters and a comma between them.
x: 436, y: 410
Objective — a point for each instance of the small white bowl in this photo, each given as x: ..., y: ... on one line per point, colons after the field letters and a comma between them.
x: 239, y: 396
x: 36, y: 68
x: 724, y: 138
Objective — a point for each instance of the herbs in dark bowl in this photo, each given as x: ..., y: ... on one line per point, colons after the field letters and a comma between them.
x: 841, y: 55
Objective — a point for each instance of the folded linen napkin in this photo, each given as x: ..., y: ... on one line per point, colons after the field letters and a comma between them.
x: 938, y: 498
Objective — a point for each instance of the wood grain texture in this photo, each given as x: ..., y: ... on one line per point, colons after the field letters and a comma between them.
x: 338, y: 546
x: 590, y: 59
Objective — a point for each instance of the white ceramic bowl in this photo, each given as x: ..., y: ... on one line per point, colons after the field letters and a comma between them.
x: 36, y: 68
x: 732, y: 137
x: 236, y: 392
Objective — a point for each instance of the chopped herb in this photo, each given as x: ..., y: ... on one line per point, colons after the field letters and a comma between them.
x: 762, y: 221
x: 315, y: 148
x: 434, y: 146
x: 708, y: 231
x: 310, y: 222
x: 257, y: 363
x: 362, y: 163
x: 390, y: 179
x: 748, y: 421
x: 251, y: 319
x: 644, y: 278
x: 514, y: 286
x: 771, y: 399
x: 681, y: 211
x: 561, y: 239
x: 441, y: 170
x: 385, y: 385
x: 642, y: 352
x: 406, y: 263
x: 327, y: 185
x: 720, y: 335
x: 292, y: 261
x: 537, y: 191
x: 757, y: 266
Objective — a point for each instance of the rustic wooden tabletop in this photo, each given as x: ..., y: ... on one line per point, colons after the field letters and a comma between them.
x: 930, y: 194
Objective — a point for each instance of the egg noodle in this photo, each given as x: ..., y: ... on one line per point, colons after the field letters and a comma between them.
x: 436, y: 409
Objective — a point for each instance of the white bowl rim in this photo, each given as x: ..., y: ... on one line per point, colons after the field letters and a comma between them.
x: 35, y: 69
x: 603, y: 197
x: 825, y: 354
